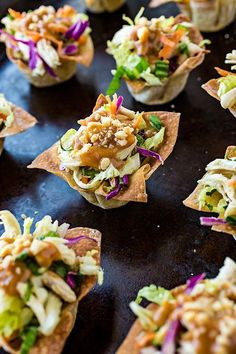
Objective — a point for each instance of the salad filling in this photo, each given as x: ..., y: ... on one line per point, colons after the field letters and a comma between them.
x: 150, y: 52
x: 196, y: 318
x: 216, y: 193
x: 41, y: 273
x: 6, y: 113
x: 110, y: 146
x: 42, y: 40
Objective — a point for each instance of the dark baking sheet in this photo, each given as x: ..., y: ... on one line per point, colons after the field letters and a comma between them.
x: 159, y: 242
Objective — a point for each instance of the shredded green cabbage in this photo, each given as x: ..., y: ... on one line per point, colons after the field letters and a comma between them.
x: 227, y: 83
x: 144, y: 315
x: 157, y: 139
x: 153, y: 294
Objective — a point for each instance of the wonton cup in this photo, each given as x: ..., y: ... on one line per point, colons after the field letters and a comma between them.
x: 54, y: 344
x: 212, y: 87
x: 22, y: 121
x: 192, y: 200
x: 174, y: 316
x: 136, y: 191
x: 173, y: 85
x: 207, y: 15
x: 99, y: 6
x: 67, y: 60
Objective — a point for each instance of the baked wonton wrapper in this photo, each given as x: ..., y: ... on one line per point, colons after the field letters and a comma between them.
x: 64, y: 72
x: 207, y: 15
x: 99, y: 6
x: 175, y: 84
x: 54, y: 343
x: 22, y: 121
x: 191, y: 201
x: 136, y: 192
x: 212, y: 87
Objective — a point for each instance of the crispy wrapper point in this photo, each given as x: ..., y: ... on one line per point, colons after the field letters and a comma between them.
x: 64, y: 72
x: 22, y: 121
x: 191, y: 201
x: 211, y: 87
x: 151, y: 95
x: 49, y: 161
x: 54, y: 343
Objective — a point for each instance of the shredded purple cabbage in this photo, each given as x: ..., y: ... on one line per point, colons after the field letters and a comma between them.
x: 33, y: 54
x: 211, y: 221
x: 115, y: 191
x: 149, y: 153
x: 76, y: 30
x: 72, y: 241
x: 119, y: 102
x: 70, y: 279
x: 192, y: 282
x: 169, y: 345
x: 70, y: 49
x: 125, y: 180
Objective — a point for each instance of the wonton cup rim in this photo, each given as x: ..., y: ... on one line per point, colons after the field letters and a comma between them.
x: 54, y: 343
x: 49, y: 161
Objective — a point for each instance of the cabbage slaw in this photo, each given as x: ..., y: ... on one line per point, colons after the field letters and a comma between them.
x: 38, y: 265
x: 150, y: 50
x: 6, y: 113
x: 110, y: 146
x: 43, y: 37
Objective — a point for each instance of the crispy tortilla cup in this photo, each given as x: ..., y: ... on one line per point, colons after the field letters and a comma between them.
x: 53, y: 344
x: 22, y: 121
x: 67, y: 61
x: 175, y: 84
x: 191, y: 201
x: 99, y: 6
x: 207, y: 15
x: 212, y: 87
x: 172, y: 319
x: 49, y: 161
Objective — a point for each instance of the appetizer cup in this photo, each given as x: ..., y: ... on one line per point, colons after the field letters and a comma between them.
x: 224, y: 88
x: 207, y: 15
x: 216, y: 193
x: 114, y: 152
x: 155, y: 57
x: 13, y: 120
x: 43, y: 275
x: 193, y: 317
x: 47, y: 44
x: 99, y: 6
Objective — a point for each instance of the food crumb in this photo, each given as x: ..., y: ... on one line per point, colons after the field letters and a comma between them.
x: 199, y: 78
x: 227, y: 36
x: 36, y: 212
x: 158, y: 226
x: 23, y: 216
x: 194, y: 251
x: 172, y: 106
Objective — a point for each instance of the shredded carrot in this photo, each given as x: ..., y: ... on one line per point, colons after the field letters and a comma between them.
x: 82, y: 40
x: 223, y: 72
x: 66, y: 11
x: 170, y: 43
x: 145, y: 339
x: 35, y: 36
x: 14, y: 14
x: 85, y: 179
x: 232, y: 183
x: 83, y: 122
x: 137, y: 122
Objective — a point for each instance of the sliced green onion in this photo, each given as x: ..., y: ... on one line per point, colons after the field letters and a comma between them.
x: 29, y: 338
x: 231, y: 220
x: 204, y: 42
x: 184, y: 49
x: 60, y: 268
x: 28, y: 292
x: 162, y: 69
x: 140, y: 140
x: 116, y: 81
x: 48, y: 234
x: 155, y: 122
x: 89, y: 172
